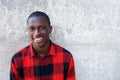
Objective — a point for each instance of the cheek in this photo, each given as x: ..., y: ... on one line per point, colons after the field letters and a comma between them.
x: 30, y: 35
x: 47, y: 34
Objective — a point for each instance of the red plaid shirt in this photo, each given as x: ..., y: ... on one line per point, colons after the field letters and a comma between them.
x: 57, y: 65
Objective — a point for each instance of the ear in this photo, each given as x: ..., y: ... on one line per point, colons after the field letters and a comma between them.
x: 50, y: 30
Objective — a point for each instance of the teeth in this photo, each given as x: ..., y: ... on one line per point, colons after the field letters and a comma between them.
x: 38, y: 38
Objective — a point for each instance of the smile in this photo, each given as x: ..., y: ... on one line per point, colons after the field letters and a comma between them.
x: 38, y: 39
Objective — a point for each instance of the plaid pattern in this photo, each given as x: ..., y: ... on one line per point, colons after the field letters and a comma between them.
x: 57, y: 65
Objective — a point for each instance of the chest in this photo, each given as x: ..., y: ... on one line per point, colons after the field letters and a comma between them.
x: 48, y: 67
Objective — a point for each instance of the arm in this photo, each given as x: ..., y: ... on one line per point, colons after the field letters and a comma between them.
x: 13, y: 72
x: 71, y: 70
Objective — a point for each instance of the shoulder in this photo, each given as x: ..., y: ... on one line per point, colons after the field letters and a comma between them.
x: 62, y: 50
x: 63, y: 54
x: 20, y: 53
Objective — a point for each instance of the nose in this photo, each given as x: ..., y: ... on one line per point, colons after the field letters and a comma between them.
x: 37, y: 32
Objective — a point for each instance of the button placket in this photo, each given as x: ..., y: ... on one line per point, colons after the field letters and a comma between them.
x: 42, y: 64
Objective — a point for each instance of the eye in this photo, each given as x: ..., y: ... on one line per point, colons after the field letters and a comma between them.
x: 31, y: 28
x: 42, y: 28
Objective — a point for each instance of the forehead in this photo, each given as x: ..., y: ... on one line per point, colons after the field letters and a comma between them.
x: 40, y: 20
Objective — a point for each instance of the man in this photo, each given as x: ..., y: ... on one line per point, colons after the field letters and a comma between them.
x: 42, y: 59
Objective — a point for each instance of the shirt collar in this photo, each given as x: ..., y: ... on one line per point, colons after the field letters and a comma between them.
x: 50, y: 52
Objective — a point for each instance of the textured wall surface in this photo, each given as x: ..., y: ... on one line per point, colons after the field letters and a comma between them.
x: 90, y: 29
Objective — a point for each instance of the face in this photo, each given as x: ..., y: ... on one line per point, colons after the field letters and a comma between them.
x: 39, y: 30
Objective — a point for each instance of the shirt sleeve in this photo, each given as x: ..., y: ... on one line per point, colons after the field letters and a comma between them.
x: 13, y: 72
x: 71, y: 70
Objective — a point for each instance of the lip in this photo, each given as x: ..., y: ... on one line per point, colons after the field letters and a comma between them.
x: 38, y: 40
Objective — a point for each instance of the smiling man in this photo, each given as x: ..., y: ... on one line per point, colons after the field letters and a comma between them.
x: 41, y: 59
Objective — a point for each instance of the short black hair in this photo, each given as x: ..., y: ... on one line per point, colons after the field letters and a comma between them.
x: 38, y: 14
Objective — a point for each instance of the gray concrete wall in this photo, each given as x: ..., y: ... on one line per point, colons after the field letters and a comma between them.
x: 90, y: 29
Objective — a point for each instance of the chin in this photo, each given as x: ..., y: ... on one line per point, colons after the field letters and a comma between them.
x: 39, y: 44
